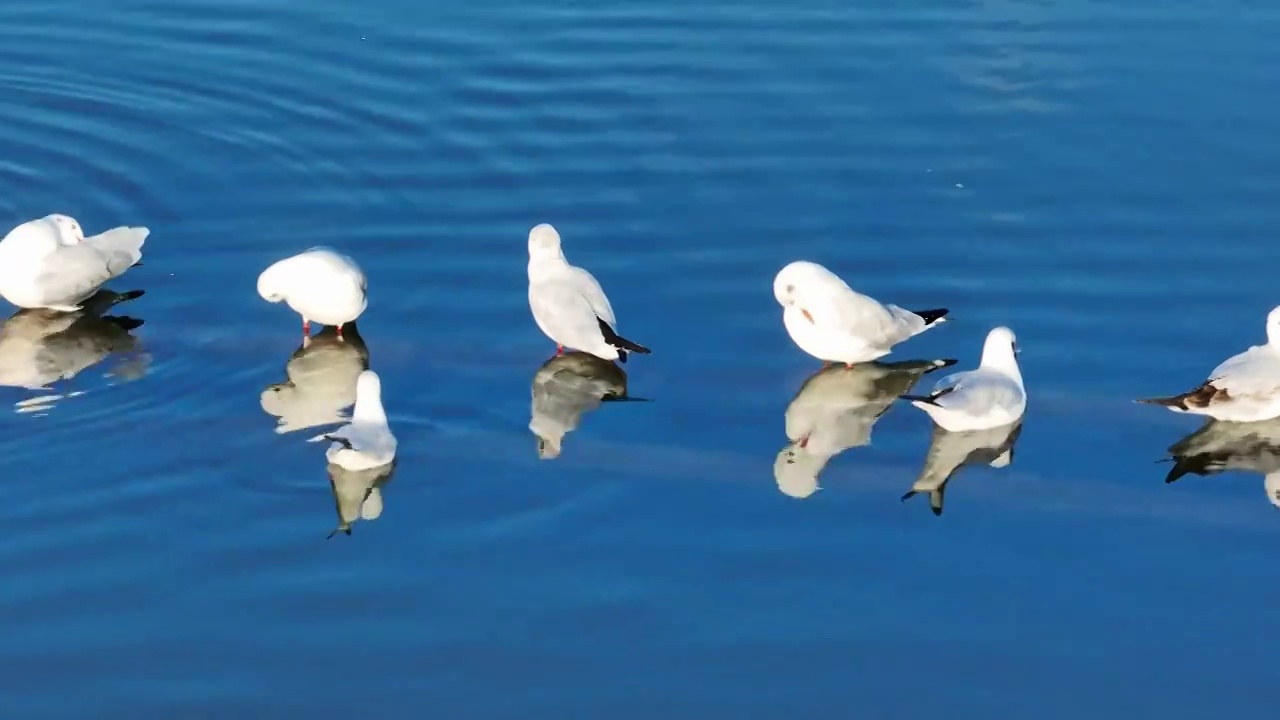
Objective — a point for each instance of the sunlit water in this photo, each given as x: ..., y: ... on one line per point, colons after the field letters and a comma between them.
x: 1100, y: 177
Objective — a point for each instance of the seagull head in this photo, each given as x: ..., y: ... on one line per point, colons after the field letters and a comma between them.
x: 544, y: 242
x: 1001, y: 344
x: 1273, y: 327
x: 789, y: 280
x: 66, y: 228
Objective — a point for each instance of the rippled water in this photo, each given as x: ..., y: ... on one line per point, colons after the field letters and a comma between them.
x: 1100, y: 177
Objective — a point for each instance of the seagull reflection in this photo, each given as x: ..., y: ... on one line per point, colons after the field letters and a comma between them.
x: 835, y: 410
x: 565, y: 387
x: 39, y: 346
x: 357, y: 494
x: 951, y: 451
x: 1220, y: 445
x: 322, y: 376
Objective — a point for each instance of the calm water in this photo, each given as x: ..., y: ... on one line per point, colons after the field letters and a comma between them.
x: 1100, y: 177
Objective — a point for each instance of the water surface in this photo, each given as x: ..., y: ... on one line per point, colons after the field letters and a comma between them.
x: 1100, y: 178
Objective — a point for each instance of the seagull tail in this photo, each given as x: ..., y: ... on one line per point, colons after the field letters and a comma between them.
x: 932, y: 316
x: 620, y: 342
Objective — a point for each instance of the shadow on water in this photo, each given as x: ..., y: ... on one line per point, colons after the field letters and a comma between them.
x: 834, y: 410
x: 40, y: 348
x: 357, y: 494
x: 950, y: 451
x: 1219, y: 446
x: 321, y: 381
x: 564, y: 389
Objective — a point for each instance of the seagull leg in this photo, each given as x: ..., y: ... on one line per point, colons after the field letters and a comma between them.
x: 826, y: 363
x: 339, y: 331
x: 306, y: 327
x: 559, y: 350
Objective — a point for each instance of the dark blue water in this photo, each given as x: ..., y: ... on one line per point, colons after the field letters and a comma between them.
x: 1101, y: 177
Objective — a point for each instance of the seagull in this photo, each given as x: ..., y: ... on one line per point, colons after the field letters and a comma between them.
x: 990, y: 396
x: 1244, y: 388
x: 569, y: 305
x: 366, y: 442
x: 320, y: 285
x: 831, y: 322
x: 49, y: 263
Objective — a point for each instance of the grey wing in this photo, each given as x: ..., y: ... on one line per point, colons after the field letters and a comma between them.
x: 75, y: 272
x: 1255, y: 371
x: 594, y: 295
x: 863, y: 316
x: 567, y: 314
x: 977, y: 392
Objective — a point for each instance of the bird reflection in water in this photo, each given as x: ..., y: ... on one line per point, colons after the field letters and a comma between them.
x: 1219, y: 445
x: 834, y: 410
x: 566, y: 387
x: 950, y: 451
x: 321, y: 383
x: 357, y: 494
x: 39, y: 347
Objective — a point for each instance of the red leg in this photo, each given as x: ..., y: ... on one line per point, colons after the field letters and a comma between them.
x: 306, y: 327
x: 559, y: 350
x: 826, y: 363
x: 848, y: 366
x: 339, y: 330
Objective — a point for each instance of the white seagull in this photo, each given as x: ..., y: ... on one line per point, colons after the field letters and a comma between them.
x: 831, y: 322
x: 49, y: 263
x: 319, y: 285
x: 366, y: 442
x: 988, y: 397
x: 1244, y: 388
x: 569, y: 305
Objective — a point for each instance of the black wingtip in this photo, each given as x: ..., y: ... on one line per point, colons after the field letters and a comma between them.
x: 932, y: 316
x: 130, y: 295
x: 620, y: 342
x: 910, y: 494
x: 622, y: 356
x: 937, y: 511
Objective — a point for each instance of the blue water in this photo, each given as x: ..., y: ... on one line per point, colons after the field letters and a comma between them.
x: 1101, y: 177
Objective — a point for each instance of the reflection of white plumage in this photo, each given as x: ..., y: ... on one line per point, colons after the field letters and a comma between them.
x: 320, y: 285
x: 835, y: 410
x: 830, y: 321
x: 568, y: 303
x: 321, y: 381
x: 366, y: 442
x: 1244, y: 388
x: 1221, y: 445
x: 357, y: 494
x: 565, y: 387
x: 990, y: 396
x: 40, y: 346
x: 951, y: 451
x: 49, y: 263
